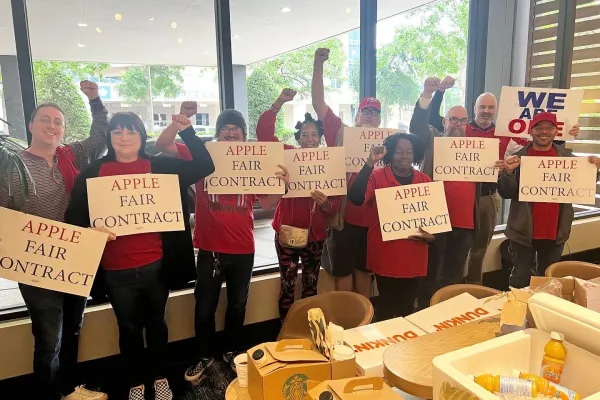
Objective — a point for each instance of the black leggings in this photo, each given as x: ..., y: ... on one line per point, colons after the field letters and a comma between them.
x: 396, y: 296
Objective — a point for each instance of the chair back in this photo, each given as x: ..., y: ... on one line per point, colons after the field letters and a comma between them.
x: 577, y: 269
x: 346, y: 309
x: 448, y: 292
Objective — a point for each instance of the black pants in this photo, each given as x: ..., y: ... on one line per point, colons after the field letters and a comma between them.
x: 536, y: 258
x: 214, y: 269
x: 139, y: 299
x: 446, y: 262
x: 56, y: 320
x: 396, y: 296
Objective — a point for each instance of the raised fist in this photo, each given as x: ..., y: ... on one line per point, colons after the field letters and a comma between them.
x: 181, y: 122
x: 431, y: 85
x: 286, y: 95
x: 511, y: 164
x: 321, y: 55
x: 90, y: 89
x: 188, y: 108
x: 447, y: 83
x: 377, y: 153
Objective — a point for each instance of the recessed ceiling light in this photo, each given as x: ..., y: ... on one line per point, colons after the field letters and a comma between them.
x: 286, y: 9
x: 173, y: 25
x: 348, y: 10
x: 98, y: 30
x: 236, y: 36
x: 81, y: 45
x: 118, y: 17
x: 180, y: 40
x: 82, y: 24
x: 151, y: 18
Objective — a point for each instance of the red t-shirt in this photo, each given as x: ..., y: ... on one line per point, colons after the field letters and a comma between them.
x: 460, y: 198
x: 355, y: 215
x: 475, y: 131
x: 545, y: 215
x: 224, y: 222
x: 130, y: 251
x: 404, y: 258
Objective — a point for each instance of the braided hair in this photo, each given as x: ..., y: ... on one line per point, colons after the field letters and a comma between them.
x: 308, y: 119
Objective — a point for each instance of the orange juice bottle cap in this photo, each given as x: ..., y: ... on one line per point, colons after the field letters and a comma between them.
x: 556, y: 336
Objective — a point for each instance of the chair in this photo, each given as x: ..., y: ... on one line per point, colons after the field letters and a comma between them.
x: 577, y: 269
x: 346, y: 309
x: 448, y: 292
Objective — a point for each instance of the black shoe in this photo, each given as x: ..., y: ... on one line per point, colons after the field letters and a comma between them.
x: 228, y: 357
x: 195, y: 371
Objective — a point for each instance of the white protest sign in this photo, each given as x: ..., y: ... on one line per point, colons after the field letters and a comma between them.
x: 49, y: 254
x: 358, y: 143
x: 458, y: 310
x: 245, y: 168
x: 404, y: 209
x: 557, y: 180
x: 316, y: 169
x: 463, y: 159
x: 518, y: 106
x: 138, y: 203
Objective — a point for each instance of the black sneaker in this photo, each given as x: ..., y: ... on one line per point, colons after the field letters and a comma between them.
x: 195, y: 371
x: 136, y: 393
x: 162, y: 391
x: 228, y: 357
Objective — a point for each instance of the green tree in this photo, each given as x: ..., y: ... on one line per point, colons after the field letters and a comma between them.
x: 293, y: 70
x: 56, y: 81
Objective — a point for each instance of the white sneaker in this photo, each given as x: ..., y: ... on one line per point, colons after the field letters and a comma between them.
x: 162, y: 391
x: 136, y: 393
x: 81, y: 393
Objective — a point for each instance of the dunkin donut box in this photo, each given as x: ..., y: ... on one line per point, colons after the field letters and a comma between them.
x: 281, y: 370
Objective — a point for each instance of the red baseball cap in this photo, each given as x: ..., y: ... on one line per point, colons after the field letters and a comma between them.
x: 541, y: 117
x: 369, y: 102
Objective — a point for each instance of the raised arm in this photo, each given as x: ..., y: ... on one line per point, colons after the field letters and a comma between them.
x: 435, y: 117
x: 265, y: 128
x: 317, y: 87
x: 166, y: 141
x: 419, y: 123
x: 362, y: 190
x: 94, y: 146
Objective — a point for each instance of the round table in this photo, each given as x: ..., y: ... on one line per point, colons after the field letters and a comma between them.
x: 235, y: 392
x: 408, y: 365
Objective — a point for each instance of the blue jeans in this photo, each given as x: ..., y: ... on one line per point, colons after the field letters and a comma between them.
x: 139, y: 299
x: 56, y: 320
x: 536, y: 257
x: 236, y: 271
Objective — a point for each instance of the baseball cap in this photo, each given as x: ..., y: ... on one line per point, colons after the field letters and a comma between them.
x: 369, y: 102
x: 541, y: 117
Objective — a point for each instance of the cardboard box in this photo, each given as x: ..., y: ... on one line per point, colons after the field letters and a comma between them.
x: 578, y: 291
x: 371, y: 388
x: 459, y: 310
x: 287, y: 366
x: 369, y: 342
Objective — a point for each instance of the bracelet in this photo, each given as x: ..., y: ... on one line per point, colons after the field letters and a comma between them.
x: 275, y: 109
x: 328, y: 208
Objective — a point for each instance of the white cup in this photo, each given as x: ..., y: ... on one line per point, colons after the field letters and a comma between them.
x: 241, y: 367
x: 342, y: 352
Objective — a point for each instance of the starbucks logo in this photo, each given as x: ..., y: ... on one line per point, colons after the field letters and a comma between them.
x: 295, y: 387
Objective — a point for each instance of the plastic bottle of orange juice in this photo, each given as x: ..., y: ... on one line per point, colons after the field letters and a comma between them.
x: 507, y: 385
x: 552, y: 390
x: 553, y: 361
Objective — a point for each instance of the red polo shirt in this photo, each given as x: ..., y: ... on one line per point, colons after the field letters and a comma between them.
x: 545, y: 215
x: 404, y: 258
x: 130, y: 251
x: 460, y: 198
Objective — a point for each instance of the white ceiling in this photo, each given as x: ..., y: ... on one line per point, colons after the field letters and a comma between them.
x: 264, y: 30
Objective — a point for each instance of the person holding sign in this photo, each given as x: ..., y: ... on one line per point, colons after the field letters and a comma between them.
x: 56, y: 318
x: 305, y: 215
x: 397, y: 281
x: 345, y: 251
x: 449, y: 254
x: 139, y: 270
x: 537, y: 231
x: 224, y: 237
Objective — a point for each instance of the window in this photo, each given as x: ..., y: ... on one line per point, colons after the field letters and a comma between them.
x: 202, y: 119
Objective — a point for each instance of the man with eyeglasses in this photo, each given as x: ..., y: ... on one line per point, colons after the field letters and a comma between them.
x: 56, y: 317
x: 448, y: 254
x: 345, y: 251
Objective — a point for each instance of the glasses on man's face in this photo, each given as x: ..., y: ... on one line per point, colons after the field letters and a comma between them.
x: 47, y: 121
x: 458, y: 121
x: 226, y: 129
x: 372, y: 113
x: 120, y: 133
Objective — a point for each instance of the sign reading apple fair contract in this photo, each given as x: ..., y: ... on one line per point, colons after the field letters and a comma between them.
x: 518, y: 106
x: 316, y: 169
x: 462, y: 159
x: 359, y: 142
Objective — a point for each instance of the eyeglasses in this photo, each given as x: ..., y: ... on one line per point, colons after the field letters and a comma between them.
x: 58, y: 123
x: 119, y: 133
x: 371, y: 112
x: 456, y: 121
x: 227, y: 129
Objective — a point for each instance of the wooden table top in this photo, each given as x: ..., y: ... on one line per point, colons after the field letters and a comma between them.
x: 408, y: 365
x: 235, y: 392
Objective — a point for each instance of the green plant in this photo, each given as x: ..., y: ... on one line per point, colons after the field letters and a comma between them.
x: 10, y: 161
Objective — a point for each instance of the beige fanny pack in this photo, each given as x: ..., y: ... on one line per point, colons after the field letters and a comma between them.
x: 293, y: 237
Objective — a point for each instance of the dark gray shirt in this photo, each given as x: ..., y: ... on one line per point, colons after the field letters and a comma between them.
x: 52, y: 198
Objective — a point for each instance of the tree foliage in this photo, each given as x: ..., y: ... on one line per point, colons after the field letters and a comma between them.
x: 166, y: 82
x: 55, y: 81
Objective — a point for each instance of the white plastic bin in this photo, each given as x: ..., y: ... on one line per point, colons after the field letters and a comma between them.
x: 523, y: 351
